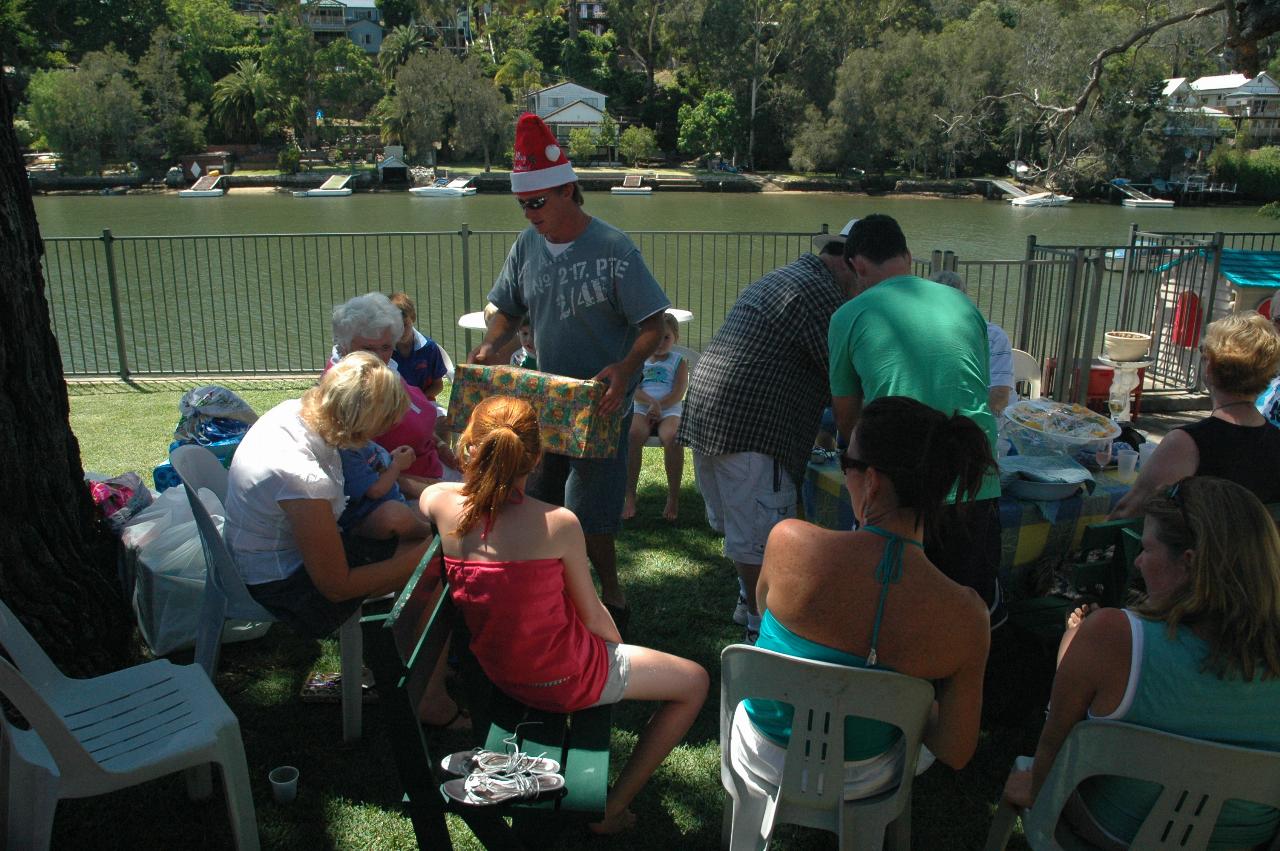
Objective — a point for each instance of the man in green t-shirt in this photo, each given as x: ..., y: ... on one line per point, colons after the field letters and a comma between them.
x: 902, y: 335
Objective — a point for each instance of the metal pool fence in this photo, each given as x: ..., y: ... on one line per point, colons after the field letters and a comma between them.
x: 260, y: 304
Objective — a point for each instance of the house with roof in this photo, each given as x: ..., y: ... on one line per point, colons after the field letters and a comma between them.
x: 592, y: 17
x: 565, y: 107
x: 1252, y: 104
x: 358, y: 20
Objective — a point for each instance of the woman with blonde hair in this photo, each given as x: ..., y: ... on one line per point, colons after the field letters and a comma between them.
x: 285, y: 494
x: 518, y: 572
x: 1199, y: 658
x: 1235, y: 442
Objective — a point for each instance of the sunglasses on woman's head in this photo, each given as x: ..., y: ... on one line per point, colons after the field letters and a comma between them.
x: 1174, y: 494
x: 535, y: 203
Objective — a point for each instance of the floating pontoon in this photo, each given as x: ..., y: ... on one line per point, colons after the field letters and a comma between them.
x: 631, y: 185
x: 332, y: 188
x: 1137, y: 198
x: 205, y: 187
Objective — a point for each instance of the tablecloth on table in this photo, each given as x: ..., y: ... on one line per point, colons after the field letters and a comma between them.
x: 1025, y: 534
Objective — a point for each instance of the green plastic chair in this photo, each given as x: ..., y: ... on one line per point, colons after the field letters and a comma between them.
x: 812, y: 790
x: 1197, y: 778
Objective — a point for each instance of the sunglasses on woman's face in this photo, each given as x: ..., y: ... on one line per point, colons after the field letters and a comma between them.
x: 847, y: 464
x: 535, y: 203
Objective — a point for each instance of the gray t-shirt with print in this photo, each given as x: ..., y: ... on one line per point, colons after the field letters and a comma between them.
x: 585, y: 304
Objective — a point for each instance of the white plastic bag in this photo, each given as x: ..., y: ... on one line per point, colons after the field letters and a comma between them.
x: 163, y: 547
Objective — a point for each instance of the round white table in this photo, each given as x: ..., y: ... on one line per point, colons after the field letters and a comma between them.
x: 475, y: 321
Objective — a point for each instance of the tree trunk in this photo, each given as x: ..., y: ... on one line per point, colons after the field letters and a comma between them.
x: 57, y: 558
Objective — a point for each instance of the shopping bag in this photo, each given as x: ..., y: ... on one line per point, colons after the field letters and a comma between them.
x: 167, y: 573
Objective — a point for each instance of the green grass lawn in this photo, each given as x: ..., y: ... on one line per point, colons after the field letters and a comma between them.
x: 682, y: 592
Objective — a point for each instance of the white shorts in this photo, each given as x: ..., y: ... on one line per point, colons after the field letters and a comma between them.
x: 742, y: 501
x: 759, y: 761
x: 615, y: 685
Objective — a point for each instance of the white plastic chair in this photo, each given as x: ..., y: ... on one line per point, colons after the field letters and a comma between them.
x: 691, y: 358
x: 226, y: 598
x: 90, y: 737
x: 812, y: 790
x: 1025, y: 368
x: 449, y: 368
x: 1197, y: 778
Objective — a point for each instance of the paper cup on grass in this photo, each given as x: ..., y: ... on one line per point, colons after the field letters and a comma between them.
x: 284, y: 783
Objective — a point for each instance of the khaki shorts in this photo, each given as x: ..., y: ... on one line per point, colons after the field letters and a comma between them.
x: 619, y: 674
x: 746, y: 495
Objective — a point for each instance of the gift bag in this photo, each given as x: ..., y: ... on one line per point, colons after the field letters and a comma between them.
x: 567, y: 415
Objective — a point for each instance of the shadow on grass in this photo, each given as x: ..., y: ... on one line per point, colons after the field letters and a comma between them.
x: 682, y: 592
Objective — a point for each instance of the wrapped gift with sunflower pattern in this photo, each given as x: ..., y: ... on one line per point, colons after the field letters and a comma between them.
x: 567, y: 415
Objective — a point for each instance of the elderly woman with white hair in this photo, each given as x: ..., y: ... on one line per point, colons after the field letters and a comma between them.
x: 1000, y: 385
x: 371, y: 323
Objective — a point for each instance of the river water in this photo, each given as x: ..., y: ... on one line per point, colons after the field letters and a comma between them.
x: 974, y: 229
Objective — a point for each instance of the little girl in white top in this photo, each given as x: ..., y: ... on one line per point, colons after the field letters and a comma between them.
x: 658, y: 404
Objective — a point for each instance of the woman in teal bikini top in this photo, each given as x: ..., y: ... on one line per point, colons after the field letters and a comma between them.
x: 870, y: 598
x: 863, y: 738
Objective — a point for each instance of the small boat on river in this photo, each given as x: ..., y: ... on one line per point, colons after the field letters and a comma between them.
x: 442, y: 188
x: 1041, y: 199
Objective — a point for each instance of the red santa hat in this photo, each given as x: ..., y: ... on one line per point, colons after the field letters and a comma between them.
x: 538, y: 162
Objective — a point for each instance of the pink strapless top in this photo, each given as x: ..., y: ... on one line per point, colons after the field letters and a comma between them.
x: 526, y: 633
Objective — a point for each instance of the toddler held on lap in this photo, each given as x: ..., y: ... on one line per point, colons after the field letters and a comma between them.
x: 375, y: 507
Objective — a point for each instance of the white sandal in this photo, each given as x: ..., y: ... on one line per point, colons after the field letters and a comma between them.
x: 514, y: 761
x: 480, y: 760
x: 482, y: 790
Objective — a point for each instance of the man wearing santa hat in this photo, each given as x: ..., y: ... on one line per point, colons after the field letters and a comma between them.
x: 596, y: 313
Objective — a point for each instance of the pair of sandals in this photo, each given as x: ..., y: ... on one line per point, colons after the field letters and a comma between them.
x: 485, y: 778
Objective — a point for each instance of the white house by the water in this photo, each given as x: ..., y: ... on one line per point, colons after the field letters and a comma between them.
x: 567, y: 106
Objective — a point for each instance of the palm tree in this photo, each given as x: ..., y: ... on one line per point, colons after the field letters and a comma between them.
x: 239, y: 96
x: 520, y: 71
x: 401, y: 43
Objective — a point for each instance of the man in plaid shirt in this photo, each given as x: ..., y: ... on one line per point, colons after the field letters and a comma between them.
x: 755, y: 402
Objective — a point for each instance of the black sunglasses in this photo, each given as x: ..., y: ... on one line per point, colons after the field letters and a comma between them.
x: 847, y: 464
x: 535, y: 203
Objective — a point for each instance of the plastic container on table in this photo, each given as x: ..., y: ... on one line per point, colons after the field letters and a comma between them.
x: 1046, y: 427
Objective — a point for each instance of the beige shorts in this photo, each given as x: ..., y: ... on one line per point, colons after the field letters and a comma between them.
x: 619, y: 674
x: 746, y: 494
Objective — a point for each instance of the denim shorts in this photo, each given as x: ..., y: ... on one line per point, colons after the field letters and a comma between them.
x: 297, y: 602
x: 592, y: 488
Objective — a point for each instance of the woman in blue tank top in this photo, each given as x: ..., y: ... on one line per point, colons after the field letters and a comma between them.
x: 869, y: 598
x: 1199, y: 658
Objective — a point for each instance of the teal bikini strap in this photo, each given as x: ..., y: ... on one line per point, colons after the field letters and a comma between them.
x: 888, y: 572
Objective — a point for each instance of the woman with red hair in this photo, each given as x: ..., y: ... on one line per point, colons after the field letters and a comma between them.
x: 519, y: 574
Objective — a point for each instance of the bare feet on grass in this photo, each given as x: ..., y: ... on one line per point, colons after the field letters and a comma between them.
x: 629, y: 508
x: 672, y: 511
x: 611, y: 824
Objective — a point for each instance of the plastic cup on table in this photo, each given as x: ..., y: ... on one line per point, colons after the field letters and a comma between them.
x: 284, y: 784
x: 1145, y: 451
x: 1126, y: 462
